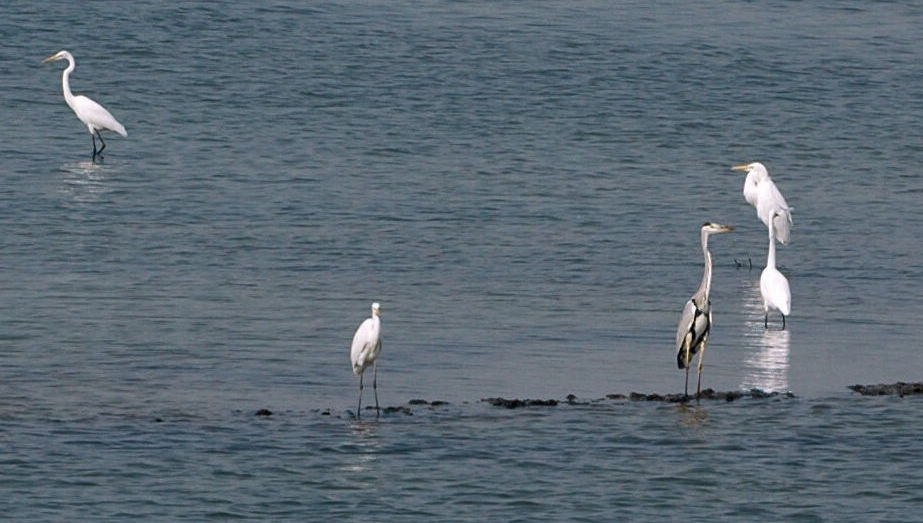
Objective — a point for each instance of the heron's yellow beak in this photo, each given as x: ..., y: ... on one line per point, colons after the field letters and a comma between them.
x: 727, y: 228
x: 51, y: 58
x: 740, y: 168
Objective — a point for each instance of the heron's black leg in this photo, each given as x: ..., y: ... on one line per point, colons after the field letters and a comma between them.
x: 100, y: 151
x: 698, y: 386
x: 93, y: 137
x: 686, y: 387
x: 783, y: 322
x: 766, y: 321
x: 359, y: 408
x: 375, y: 388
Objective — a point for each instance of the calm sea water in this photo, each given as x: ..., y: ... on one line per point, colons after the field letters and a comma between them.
x: 520, y: 184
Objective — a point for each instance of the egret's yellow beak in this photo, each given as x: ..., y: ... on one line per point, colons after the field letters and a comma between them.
x: 51, y: 58
x: 740, y: 168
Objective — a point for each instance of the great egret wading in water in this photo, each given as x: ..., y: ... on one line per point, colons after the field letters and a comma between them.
x: 762, y: 193
x: 695, y: 322
x: 93, y: 115
x: 774, y: 286
x: 364, y: 352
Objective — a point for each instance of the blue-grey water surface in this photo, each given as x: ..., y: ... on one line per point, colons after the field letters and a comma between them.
x: 520, y: 184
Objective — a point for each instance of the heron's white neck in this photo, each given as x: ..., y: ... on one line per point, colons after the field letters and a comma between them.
x: 65, y: 82
x: 705, y: 286
x: 771, y: 257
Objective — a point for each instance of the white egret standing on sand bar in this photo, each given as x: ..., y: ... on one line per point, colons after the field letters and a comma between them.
x: 93, y: 115
x: 774, y: 286
x: 695, y: 322
x: 762, y: 193
x: 364, y: 352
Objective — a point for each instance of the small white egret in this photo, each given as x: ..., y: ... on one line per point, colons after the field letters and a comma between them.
x: 364, y: 352
x: 762, y: 193
x: 93, y: 115
x: 695, y: 322
x: 774, y: 286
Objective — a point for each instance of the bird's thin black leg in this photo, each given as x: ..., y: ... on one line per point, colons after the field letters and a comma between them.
x: 375, y: 388
x: 783, y: 322
x: 100, y: 152
x: 93, y: 137
x: 698, y: 386
x: 686, y: 387
x: 766, y: 321
x: 359, y: 408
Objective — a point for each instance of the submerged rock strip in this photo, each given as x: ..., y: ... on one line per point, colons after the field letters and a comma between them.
x: 707, y: 394
x: 889, y: 389
x: 518, y: 403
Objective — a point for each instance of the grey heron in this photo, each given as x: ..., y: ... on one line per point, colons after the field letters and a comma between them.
x: 696, y: 320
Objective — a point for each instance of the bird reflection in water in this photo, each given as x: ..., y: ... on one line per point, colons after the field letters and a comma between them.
x: 364, y: 445
x: 692, y: 415
x: 766, y: 366
x: 84, y: 181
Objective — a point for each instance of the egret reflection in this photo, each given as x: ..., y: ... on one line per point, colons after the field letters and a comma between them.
x: 767, y: 368
x: 84, y: 181
x: 767, y: 362
x: 364, y: 446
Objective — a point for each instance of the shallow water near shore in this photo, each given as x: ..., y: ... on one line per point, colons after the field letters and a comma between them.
x: 521, y: 186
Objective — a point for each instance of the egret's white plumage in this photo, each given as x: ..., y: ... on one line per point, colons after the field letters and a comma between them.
x: 364, y: 352
x: 761, y: 192
x: 774, y: 286
x: 93, y: 115
x: 696, y: 319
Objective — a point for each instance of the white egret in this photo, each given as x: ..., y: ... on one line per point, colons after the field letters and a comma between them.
x: 695, y: 322
x: 93, y: 115
x: 364, y: 352
x: 762, y: 193
x: 774, y: 286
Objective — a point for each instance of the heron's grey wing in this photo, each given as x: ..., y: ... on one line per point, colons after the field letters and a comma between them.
x: 684, y: 328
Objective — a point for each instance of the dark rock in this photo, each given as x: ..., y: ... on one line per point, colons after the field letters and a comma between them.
x: 733, y: 395
x: 900, y: 389
x: 517, y: 403
x: 438, y: 403
x: 264, y: 412
x: 417, y: 402
x: 572, y: 400
x: 706, y: 394
x: 397, y: 410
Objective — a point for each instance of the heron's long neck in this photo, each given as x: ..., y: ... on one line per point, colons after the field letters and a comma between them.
x: 705, y: 287
x: 771, y: 257
x: 66, y: 84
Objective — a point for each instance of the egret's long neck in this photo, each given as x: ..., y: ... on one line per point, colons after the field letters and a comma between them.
x: 66, y: 84
x: 771, y: 257
x: 705, y: 286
